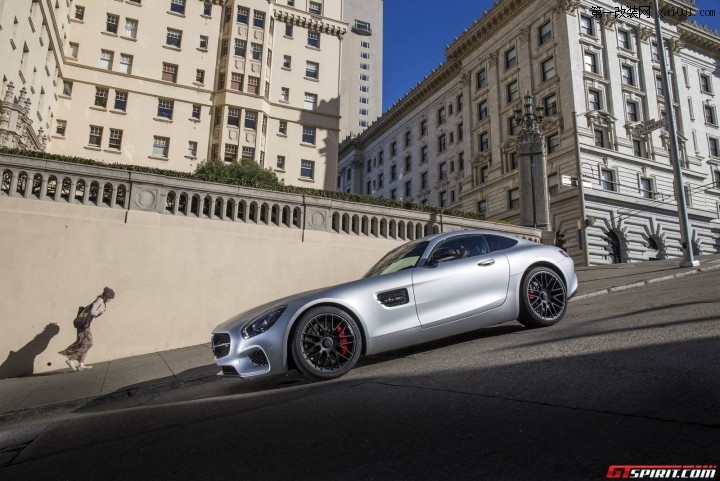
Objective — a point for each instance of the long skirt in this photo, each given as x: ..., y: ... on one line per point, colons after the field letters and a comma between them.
x: 78, y: 349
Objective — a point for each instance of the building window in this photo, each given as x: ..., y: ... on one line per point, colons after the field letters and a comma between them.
x: 586, y: 25
x: 236, y: 81
x: 250, y: 120
x: 631, y: 109
x: 714, y: 147
x: 233, y: 116
x: 60, y: 126
x: 240, y: 47
x: 482, y: 207
x: 705, y: 84
x: 553, y: 143
x: 512, y: 91
x: 313, y: 39
x: 316, y: 8
x: 513, y: 199
x: 623, y: 37
x: 513, y: 127
x: 282, y: 127
x: 165, y: 109
x: 510, y: 58
x: 646, y: 188
x: 552, y: 182
x: 79, y: 13
x: 243, y: 15
x: 481, y: 79
x: 307, y: 169
x: 442, y: 144
x: 254, y: 85
x: 284, y: 94
x: 280, y: 162
x: 248, y: 153
x: 106, y: 59
x: 311, y: 70
x: 256, y: 51
x: 96, y: 134
x: 443, y: 172
x: 599, y: 138
x: 482, y: 110
x: 67, y: 88
x: 591, y: 64
x: 200, y: 76
x: 196, y: 110
x: 408, y: 138
x: 101, y: 95
x: 628, y: 76
x: 594, y: 101
x: 484, y: 173
x: 73, y: 49
x: 207, y: 9
x: 424, y: 181
x: 177, y: 6
x: 607, y: 179
x: 111, y: 23
x: 364, y: 112
x: 287, y: 61
x: 709, y: 114
x: 192, y: 149
x: 659, y: 86
x: 654, y: 55
x: 637, y: 148
x: 203, y: 42
x: 423, y: 154
x: 716, y: 177
x: 126, y: 62
x: 364, y: 100
x: 169, y: 72
x: 393, y: 148
x: 120, y: 101
x: 484, y: 142
x: 230, y: 153
x: 460, y: 132
x: 545, y: 33
x: 131, y: 27
x: 441, y: 115
x: 443, y: 198
x: 688, y: 195
x: 173, y: 38
x: 423, y: 128
x: 115, y: 139
x: 459, y: 102
x: 512, y: 161
x: 548, y: 69
x: 550, y: 104
x: 308, y: 135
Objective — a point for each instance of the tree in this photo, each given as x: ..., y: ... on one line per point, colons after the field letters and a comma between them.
x: 246, y: 173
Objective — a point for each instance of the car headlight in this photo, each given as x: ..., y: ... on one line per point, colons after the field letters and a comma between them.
x: 263, y: 322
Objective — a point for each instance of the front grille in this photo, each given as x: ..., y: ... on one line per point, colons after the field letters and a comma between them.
x: 393, y: 298
x: 220, y: 345
x: 229, y: 371
x: 258, y: 358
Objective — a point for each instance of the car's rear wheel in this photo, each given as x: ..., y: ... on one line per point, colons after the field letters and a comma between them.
x: 543, y: 298
x: 326, y: 343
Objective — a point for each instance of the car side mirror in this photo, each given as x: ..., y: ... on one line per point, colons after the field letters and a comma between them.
x: 443, y: 254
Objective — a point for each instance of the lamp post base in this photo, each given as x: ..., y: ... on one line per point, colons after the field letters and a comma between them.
x: 692, y: 263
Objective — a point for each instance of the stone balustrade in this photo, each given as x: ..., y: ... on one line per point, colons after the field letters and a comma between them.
x: 97, y: 186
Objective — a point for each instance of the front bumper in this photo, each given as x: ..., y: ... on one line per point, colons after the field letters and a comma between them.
x: 258, y: 356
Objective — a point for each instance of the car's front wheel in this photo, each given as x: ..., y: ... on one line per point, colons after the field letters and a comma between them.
x: 543, y: 298
x: 326, y: 343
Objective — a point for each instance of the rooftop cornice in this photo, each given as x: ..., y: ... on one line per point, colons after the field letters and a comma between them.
x: 311, y: 22
x: 691, y: 33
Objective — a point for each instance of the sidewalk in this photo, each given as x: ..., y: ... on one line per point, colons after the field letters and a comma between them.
x: 62, y: 391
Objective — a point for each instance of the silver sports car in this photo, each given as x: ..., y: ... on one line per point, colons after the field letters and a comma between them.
x: 423, y: 290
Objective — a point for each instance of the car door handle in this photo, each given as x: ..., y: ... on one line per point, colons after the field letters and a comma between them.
x: 486, y: 263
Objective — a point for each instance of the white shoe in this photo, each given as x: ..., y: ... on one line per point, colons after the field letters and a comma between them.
x: 83, y: 366
x: 71, y: 365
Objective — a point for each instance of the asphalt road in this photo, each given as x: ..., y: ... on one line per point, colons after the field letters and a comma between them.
x: 626, y: 378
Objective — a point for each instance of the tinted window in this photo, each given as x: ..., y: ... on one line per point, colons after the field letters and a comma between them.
x: 403, y: 257
x: 498, y: 243
x: 465, y: 246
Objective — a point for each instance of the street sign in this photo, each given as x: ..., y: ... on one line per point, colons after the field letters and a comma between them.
x: 649, y: 126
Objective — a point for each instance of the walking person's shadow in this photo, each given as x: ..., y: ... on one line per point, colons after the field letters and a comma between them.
x: 22, y: 361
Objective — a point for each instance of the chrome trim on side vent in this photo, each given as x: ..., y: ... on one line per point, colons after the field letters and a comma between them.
x: 220, y: 345
x: 396, y: 297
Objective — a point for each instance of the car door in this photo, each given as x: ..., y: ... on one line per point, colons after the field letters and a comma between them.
x: 474, y: 282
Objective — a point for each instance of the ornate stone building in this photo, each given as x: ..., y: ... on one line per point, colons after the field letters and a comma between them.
x: 451, y: 141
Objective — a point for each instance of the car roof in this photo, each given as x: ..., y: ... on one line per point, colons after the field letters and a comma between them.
x: 445, y: 235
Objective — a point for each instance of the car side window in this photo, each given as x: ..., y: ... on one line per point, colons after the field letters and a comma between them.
x: 464, y: 246
x: 499, y: 243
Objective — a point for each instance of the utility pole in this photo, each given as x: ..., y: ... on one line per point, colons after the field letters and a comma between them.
x: 688, y: 260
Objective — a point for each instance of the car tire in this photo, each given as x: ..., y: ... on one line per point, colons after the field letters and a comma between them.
x: 543, y: 298
x: 326, y: 343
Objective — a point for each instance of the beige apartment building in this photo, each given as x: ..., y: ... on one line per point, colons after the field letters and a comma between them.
x: 169, y: 83
x: 451, y: 141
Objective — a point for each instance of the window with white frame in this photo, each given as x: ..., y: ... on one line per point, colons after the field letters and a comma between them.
x: 169, y: 72
x: 587, y: 25
x: 312, y: 69
x: 165, y: 108
x: 120, y: 101
x: 628, y: 75
x: 599, y: 137
x: 60, y: 126
x: 254, y: 85
x: 106, y: 59
x: 607, y: 179
x: 443, y: 171
x: 363, y: 111
x: 659, y: 86
x: 95, y: 138
x: 284, y: 94
x: 591, y: 64
x: 256, y: 51
x: 365, y: 55
x: 364, y: 88
x: 654, y: 54
x: 240, y: 47
x: 710, y: 117
x: 173, y: 38
x: 313, y: 39
x: 250, y: 120
x: 688, y: 195
x: 364, y: 77
x: 196, y: 111
x: 282, y: 127
x: 442, y: 143
x: 115, y: 139
x: 705, y: 84
x: 594, y: 99
x: 714, y: 146
x: 243, y: 15
x: 631, y: 111
x: 177, y: 6
x: 161, y: 146
x: 111, y: 23
x: 236, y: 81
x: 287, y: 61
x: 638, y: 150
x: 233, y: 117
x: 230, y: 153
x: 310, y: 101
x: 200, y: 76
x: 307, y: 169
x: 192, y: 148
x: 73, y: 49
x: 79, y: 13
x: 248, y: 153
x: 101, y: 95
x: 545, y: 33
x: 207, y: 9
x: 258, y: 19
x: 365, y: 66
x: 308, y: 135
x: 623, y: 37
x: 131, y: 28
x: 646, y: 188
x: 203, y: 42
x: 315, y: 8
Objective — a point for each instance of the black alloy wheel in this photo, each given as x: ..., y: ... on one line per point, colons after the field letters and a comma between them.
x: 543, y: 298
x: 326, y: 343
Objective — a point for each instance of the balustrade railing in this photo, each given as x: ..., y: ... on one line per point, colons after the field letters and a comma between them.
x: 97, y: 186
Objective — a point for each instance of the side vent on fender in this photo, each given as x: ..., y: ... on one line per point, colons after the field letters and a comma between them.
x: 396, y: 297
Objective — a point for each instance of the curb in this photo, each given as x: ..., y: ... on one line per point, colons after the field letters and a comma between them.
x: 64, y: 407
x: 647, y: 282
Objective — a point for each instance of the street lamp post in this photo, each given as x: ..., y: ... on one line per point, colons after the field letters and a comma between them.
x: 534, y: 204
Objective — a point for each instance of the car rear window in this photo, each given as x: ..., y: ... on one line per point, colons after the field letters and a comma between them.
x: 499, y: 243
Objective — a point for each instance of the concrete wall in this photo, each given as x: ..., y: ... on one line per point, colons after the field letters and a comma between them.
x: 179, y: 267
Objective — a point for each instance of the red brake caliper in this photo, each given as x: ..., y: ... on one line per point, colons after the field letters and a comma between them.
x: 343, y: 340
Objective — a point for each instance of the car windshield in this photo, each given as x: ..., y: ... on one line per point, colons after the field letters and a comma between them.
x: 403, y: 257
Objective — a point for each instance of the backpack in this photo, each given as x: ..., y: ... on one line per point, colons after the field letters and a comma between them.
x: 84, y: 318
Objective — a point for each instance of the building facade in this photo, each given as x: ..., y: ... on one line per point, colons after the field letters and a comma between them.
x: 169, y: 83
x: 451, y: 141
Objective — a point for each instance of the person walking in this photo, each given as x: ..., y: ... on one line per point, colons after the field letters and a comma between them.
x: 77, y: 351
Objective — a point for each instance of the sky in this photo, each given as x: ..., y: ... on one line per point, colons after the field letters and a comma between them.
x: 416, y: 33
